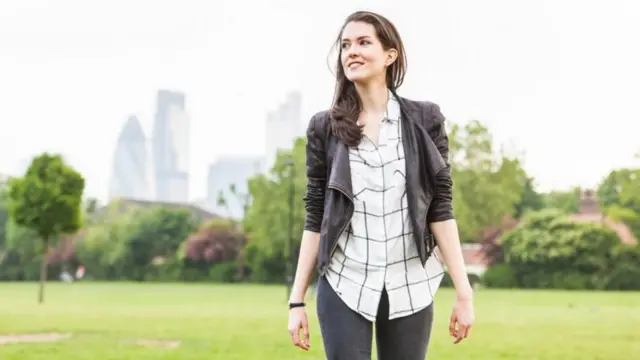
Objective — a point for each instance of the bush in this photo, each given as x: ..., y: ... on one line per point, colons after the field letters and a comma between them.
x: 571, y: 280
x: 499, y: 276
x: 213, y: 243
x: 626, y: 270
x: 548, y: 252
x: 223, y: 272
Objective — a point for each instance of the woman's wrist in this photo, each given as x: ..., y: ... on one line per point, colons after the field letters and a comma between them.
x: 296, y: 296
x: 464, y: 293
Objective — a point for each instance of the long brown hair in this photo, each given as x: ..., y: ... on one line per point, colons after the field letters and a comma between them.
x: 346, y: 102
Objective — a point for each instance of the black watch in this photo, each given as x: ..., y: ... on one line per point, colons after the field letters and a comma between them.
x: 295, y: 305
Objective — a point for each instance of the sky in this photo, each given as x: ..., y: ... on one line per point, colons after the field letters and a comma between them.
x: 558, y: 80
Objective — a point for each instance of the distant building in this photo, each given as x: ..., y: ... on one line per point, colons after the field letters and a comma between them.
x: 283, y: 127
x: 130, y: 170
x: 590, y: 213
x: 170, y: 148
x: 229, y: 171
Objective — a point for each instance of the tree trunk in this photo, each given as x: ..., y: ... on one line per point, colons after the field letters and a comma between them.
x: 43, y: 269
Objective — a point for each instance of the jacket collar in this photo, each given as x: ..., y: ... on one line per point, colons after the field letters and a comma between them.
x: 409, y: 114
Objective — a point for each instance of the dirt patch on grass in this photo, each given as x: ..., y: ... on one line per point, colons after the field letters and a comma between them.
x: 32, y: 338
x: 164, y: 344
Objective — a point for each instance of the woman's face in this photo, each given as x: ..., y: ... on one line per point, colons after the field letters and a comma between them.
x: 363, y: 57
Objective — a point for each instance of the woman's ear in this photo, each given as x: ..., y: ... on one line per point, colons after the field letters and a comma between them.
x: 392, y: 55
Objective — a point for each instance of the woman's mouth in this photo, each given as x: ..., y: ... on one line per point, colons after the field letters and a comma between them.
x: 354, y: 65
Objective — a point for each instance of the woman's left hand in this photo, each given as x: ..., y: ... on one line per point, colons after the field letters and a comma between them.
x: 462, y: 318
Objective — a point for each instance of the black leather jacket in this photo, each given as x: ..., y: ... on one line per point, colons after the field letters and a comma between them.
x: 329, y: 197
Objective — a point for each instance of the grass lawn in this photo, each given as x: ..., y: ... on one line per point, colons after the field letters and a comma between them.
x: 249, y: 322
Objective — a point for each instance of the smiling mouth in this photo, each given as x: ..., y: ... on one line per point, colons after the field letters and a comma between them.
x: 354, y: 65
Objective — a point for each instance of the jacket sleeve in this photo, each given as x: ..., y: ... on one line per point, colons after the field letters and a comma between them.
x: 316, y: 174
x: 441, y: 208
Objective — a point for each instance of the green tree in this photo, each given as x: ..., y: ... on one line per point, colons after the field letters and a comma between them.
x: 155, y: 239
x: 135, y: 244
x: 619, y: 194
x: 487, y: 183
x: 244, y: 199
x: 103, y: 247
x: 47, y: 200
x: 4, y: 217
x: 21, y: 260
x: 566, y: 201
x: 530, y: 200
x: 267, y: 219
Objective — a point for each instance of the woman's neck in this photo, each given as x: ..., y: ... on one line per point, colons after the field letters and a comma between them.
x: 374, y: 97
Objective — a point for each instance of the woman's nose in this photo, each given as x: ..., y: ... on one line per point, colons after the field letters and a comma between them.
x: 352, y: 51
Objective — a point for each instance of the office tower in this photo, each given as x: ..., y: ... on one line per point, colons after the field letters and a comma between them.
x: 171, y: 148
x: 130, y: 176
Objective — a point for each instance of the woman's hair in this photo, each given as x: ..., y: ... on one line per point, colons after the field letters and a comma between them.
x: 346, y: 102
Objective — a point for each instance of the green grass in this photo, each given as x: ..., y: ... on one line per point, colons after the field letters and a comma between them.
x: 249, y: 322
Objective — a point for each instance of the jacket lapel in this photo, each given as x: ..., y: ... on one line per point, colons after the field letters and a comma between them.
x: 340, y: 177
x: 427, y: 151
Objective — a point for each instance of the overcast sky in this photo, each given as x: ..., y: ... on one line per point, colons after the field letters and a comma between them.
x: 557, y: 79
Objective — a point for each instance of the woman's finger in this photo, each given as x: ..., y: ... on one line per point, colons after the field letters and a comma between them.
x: 452, y: 324
x: 295, y: 336
x: 305, y: 329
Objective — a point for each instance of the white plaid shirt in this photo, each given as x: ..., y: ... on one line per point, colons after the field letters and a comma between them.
x: 378, y: 250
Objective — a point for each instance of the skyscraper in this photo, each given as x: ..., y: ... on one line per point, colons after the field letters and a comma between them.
x: 130, y: 177
x: 171, y: 148
x: 231, y: 171
x: 283, y: 127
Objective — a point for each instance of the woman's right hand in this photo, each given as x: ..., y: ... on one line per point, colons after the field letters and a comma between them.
x: 298, y: 321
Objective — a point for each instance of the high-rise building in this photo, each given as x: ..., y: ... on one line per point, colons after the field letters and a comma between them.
x: 224, y: 173
x: 130, y: 172
x: 283, y: 127
x: 171, y: 148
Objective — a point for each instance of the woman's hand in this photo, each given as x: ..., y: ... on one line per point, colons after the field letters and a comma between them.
x: 462, y: 318
x: 298, y: 321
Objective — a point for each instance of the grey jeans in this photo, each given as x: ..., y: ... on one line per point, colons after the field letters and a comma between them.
x: 346, y: 335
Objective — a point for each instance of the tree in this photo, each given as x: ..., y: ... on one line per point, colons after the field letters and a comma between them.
x: 487, y: 184
x: 530, y: 200
x: 266, y: 221
x: 4, y: 216
x: 47, y: 200
x: 244, y: 199
x: 156, y: 238
x: 566, y: 201
x: 103, y: 247
x: 619, y: 195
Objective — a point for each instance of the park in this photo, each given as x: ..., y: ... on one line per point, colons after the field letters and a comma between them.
x: 557, y: 274
x: 204, y: 321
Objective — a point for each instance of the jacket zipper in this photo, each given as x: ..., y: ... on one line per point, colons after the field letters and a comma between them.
x: 335, y: 245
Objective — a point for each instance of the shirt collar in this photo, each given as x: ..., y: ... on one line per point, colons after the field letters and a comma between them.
x: 393, y: 109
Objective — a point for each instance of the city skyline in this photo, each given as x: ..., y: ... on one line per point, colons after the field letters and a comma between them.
x: 137, y: 156
x: 538, y: 74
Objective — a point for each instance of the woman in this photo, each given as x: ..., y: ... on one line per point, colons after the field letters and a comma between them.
x: 378, y: 201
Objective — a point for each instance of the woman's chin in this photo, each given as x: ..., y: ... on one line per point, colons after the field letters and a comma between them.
x: 357, y: 78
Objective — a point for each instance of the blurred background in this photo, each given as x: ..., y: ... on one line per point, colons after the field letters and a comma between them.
x: 186, y: 120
